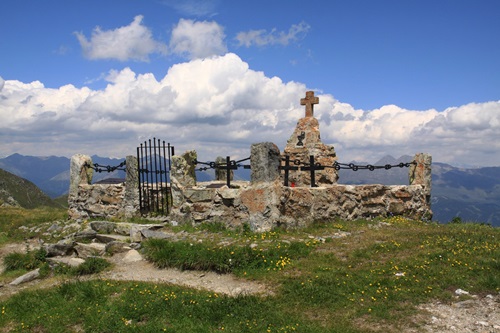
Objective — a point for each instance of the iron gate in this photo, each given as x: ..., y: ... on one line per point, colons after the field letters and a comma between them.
x: 155, y: 195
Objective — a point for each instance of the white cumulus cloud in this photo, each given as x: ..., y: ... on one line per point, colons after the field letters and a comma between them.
x: 219, y: 106
x: 132, y: 42
x: 198, y: 39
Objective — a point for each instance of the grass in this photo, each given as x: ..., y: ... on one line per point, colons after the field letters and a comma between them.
x: 356, y: 276
x: 224, y: 259
x: 17, y: 263
x: 12, y: 218
x: 92, y: 265
x: 24, y: 261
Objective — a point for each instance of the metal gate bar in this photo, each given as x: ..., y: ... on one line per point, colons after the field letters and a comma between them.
x: 155, y: 195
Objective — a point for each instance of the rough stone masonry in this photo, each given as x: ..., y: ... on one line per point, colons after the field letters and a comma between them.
x: 264, y: 202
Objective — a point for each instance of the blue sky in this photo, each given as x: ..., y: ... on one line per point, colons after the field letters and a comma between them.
x: 393, y: 77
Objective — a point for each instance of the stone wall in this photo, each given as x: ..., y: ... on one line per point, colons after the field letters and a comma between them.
x: 264, y: 203
x: 86, y: 200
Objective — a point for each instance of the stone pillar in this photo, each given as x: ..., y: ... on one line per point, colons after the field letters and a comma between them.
x: 131, y: 200
x: 182, y: 175
x: 221, y: 174
x: 420, y: 173
x: 265, y: 160
x: 79, y: 173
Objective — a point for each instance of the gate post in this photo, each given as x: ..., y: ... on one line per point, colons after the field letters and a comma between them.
x: 182, y: 175
x: 131, y: 204
x: 79, y: 172
x: 420, y: 173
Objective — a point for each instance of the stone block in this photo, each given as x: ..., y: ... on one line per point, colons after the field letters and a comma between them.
x: 265, y: 160
x: 199, y: 194
x: 105, y: 227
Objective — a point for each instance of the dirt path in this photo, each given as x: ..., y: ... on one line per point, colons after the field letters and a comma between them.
x: 126, y: 269
x: 132, y: 267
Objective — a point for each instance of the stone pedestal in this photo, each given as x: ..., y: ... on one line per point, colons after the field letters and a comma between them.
x: 304, y: 142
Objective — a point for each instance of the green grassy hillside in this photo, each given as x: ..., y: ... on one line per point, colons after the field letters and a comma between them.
x: 17, y: 191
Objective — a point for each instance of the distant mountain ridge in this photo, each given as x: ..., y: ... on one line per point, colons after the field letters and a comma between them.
x: 51, y: 174
x: 471, y: 194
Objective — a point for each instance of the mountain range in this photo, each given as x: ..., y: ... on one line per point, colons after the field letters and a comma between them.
x: 470, y: 194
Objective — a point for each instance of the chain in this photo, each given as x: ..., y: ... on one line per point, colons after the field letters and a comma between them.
x: 212, y: 165
x: 106, y: 168
x: 354, y: 167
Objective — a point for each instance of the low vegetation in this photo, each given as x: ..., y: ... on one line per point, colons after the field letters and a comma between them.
x: 357, y: 276
x: 14, y: 221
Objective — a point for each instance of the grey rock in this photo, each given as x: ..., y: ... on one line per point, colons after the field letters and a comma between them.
x: 265, y: 160
x: 132, y: 256
x: 59, y: 249
x: 117, y: 247
x: 89, y: 250
x: 30, y: 276
x: 54, y: 228
x: 104, y: 227
x: 85, y: 234
x: 146, y: 233
x: 111, y: 238
x: 73, y: 262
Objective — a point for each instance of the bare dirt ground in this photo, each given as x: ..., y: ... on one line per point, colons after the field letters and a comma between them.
x: 478, y: 314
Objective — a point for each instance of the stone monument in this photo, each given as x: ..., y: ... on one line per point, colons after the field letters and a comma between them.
x: 306, y: 141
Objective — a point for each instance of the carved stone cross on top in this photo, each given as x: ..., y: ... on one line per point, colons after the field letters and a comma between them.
x: 309, y: 102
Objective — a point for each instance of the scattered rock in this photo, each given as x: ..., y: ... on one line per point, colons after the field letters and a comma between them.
x: 117, y: 247
x: 111, y: 238
x: 132, y: 256
x: 59, y: 249
x: 54, y: 228
x: 85, y: 234
x: 73, y: 262
x: 89, y: 250
x: 103, y: 227
x: 460, y: 292
x: 30, y: 276
x: 154, y: 234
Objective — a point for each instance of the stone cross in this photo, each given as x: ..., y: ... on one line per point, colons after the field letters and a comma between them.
x: 309, y: 102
